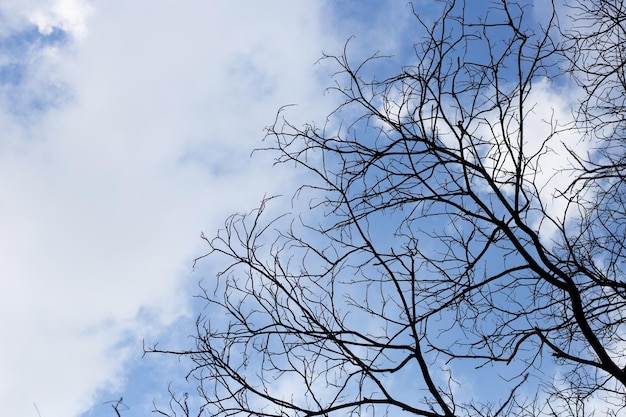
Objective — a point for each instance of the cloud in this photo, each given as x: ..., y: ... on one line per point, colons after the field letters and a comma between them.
x: 47, y: 15
x: 133, y: 134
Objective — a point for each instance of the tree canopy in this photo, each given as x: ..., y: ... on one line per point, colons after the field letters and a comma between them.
x: 462, y: 224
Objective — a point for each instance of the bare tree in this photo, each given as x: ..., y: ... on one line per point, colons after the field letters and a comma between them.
x: 441, y: 246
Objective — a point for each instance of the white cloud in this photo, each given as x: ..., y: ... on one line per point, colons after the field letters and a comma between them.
x: 548, y: 131
x: 103, y: 193
x: 68, y: 15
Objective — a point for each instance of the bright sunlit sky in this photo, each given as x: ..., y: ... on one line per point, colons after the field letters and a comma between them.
x: 126, y: 130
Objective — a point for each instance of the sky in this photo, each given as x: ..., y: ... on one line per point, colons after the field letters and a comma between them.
x: 127, y: 129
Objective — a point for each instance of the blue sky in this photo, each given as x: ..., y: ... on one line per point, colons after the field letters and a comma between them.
x: 127, y: 128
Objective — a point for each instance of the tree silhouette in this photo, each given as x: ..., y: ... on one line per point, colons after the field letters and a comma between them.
x: 459, y: 230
